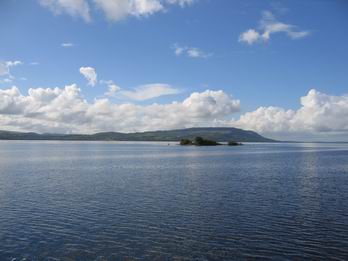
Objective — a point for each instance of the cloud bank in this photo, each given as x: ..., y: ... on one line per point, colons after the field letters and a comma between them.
x: 65, y: 110
x: 319, y: 114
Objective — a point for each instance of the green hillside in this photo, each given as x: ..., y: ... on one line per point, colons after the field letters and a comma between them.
x: 218, y: 134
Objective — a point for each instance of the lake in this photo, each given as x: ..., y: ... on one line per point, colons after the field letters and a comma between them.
x: 150, y: 201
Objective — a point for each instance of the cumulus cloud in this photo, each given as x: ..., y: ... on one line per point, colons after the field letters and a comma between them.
x: 90, y: 74
x: 269, y: 25
x: 250, y: 36
x: 319, y: 114
x: 149, y: 91
x: 65, y: 110
x: 117, y: 10
x: 74, y: 8
x: 191, y: 52
x: 114, y: 10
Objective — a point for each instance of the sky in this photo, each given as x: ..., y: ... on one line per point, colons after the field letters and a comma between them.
x: 82, y: 66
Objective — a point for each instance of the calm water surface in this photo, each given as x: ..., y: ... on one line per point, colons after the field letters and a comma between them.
x: 150, y: 201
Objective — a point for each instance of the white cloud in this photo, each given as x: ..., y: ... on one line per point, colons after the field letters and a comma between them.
x: 210, y: 103
x: 117, y: 10
x: 269, y: 25
x: 191, y: 52
x: 90, y: 74
x: 114, y: 10
x: 319, y: 114
x: 266, y: 120
x: 5, y: 67
x: 6, y: 80
x: 74, y: 8
x: 250, y: 36
x: 13, y: 63
x: 113, y: 89
x: 5, y: 70
x: 178, y: 50
x: 140, y: 93
x: 65, y: 110
x: 67, y: 45
x: 149, y: 91
x: 196, y: 53
x: 145, y: 7
x: 181, y: 3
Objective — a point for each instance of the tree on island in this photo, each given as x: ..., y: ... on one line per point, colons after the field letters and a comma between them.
x: 186, y: 142
x: 199, y: 141
x: 234, y: 143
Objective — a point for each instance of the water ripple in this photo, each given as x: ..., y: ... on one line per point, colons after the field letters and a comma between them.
x: 131, y: 201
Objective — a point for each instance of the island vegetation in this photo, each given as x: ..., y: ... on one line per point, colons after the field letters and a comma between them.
x: 234, y: 143
x: 199, y: 141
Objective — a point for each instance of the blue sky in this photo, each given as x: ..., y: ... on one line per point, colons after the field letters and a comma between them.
x: 188, y: 46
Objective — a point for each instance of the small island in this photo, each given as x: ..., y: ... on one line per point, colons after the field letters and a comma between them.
x: 199, y: 141
x: 234, y: 143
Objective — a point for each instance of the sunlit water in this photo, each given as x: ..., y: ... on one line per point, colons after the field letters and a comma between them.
x: 150, y: 201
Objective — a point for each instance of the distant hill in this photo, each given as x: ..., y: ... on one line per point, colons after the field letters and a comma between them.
x: 217, y: 134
